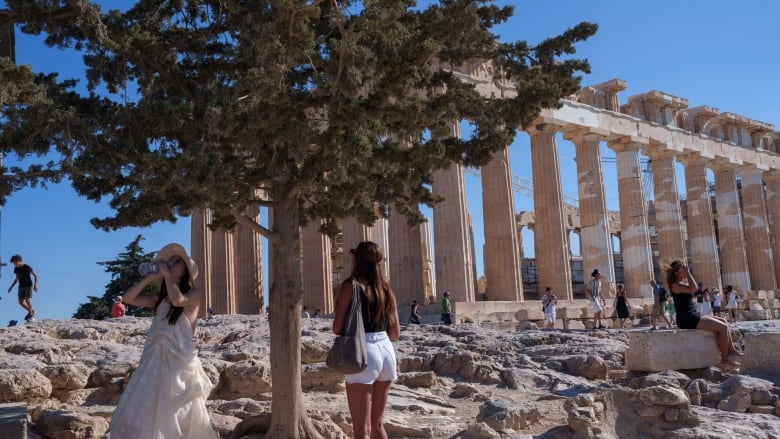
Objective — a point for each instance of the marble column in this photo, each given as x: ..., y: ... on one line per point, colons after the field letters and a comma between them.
x: 551, y: 243
x: 454, y: 266
x: 317, y: 276
x: 502, y: 263
x: 634, y: 238
x: 668, y: 217
x: 249, y: 263
x: 754, y: 215
x: 705, y: 262
x: 405, y: 260
x: 772, y: 180
x: 223, y: 272
x: 730, y: 238
x: 595, y: 242
x: 200, y: 252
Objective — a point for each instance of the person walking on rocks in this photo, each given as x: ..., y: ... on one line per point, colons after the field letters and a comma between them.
x: 549, y: 302
x: 621, y: 305
x: 731, y: 304
x: 166, y: 395
x: 24, y: 275
x: 414, y: 313
x: 683, y: 287
x: 368, y: 390
x: 446, y: 309
x: 659, y: 300
x: 593, y: 292
x: 716, y: 302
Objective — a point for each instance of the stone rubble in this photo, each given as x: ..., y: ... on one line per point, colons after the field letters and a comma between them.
x: 458, y: 381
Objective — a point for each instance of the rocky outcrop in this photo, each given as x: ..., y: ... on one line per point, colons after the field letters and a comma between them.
x: 454, y: 381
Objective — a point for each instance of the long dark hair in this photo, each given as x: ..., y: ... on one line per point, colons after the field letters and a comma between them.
x: 671, y: 274
x: 368, y: 257
x: 175, y: 311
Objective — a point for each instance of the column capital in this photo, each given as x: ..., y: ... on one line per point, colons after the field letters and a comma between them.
x: 772, y: 175
x: 657, y: 154
x: 627, y: 143
x: 725, y: 164
x: 590, y: 134
x: 751, y: 173
x: 696, y: 158
x: 543, y: 127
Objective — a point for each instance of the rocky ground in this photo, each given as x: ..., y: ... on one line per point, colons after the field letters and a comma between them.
x: 457, y: 381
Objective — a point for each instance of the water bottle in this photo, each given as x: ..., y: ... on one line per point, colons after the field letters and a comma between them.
x: 147, y: 268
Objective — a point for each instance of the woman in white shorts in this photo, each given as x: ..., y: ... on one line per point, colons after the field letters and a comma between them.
x: 367, y: 391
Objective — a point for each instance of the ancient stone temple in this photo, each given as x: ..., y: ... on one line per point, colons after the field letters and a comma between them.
x: 728, y: 230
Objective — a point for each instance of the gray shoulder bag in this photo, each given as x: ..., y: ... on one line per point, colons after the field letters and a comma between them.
x: 349, y: 354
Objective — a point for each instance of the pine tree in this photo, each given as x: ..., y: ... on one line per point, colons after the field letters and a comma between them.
x: 318, y: 109
x: 124, y: 274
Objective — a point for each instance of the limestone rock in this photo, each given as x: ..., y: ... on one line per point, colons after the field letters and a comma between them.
x: 63, y: 424
x: 588, y: 366
x: 736, y: 402
x: 501, y: 416
x: 18, y: 385
x: 671, y: 350
x: 761, y: 353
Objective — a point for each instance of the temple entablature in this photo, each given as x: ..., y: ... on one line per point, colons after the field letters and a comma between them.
x: 697, y: 119
x: 603, y: 95
x: 744, y: 131
x: 655, y: 106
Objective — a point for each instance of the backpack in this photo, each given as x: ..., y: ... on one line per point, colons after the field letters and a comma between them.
x: 661, y: 295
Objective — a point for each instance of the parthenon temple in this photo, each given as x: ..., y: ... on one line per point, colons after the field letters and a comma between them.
x: 729, y: 231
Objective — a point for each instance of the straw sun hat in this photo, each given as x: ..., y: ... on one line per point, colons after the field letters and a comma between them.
x: 171, y: 250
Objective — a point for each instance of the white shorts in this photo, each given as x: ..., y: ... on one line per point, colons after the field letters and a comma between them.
x: 550, y: 316
x: 381, y: 361
x: 596, y: 304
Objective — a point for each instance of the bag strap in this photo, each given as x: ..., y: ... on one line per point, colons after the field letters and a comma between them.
x: 355, y: 315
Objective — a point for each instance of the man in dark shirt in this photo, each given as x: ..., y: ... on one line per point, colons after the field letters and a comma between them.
x: 24, y: 274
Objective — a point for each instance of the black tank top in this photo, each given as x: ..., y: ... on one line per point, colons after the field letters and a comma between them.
x: 369, y: 310
x: 684, y: 305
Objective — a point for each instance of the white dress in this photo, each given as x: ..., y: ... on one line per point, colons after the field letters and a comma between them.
x: 166, y: 395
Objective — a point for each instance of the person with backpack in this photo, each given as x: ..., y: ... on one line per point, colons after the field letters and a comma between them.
x: 659, y: 300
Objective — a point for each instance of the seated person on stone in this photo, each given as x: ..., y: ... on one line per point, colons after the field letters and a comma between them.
x: 683, y: 286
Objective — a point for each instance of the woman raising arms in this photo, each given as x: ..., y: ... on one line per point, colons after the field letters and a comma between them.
x: 367, y: 391
x: 683, y: 286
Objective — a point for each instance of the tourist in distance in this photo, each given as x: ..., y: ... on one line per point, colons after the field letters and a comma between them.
x: 166, y: 395
x: 731, y: 304
x: 446, y: 309
x: 621, y: 305
x: 118, y: 308
x: 24, y: 275
x: 368, y: 390
x: 593, y: 292
x: 683, y: 286
x: 659, y: 300
x: 716, y: 302
x: 414, y: 313
x: 549, y: 303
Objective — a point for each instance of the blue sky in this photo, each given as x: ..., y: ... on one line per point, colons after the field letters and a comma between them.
x: 716, y: 53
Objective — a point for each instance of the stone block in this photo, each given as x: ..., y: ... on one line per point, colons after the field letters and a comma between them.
x: 671, y: 350
x: 569, y: 313
x: 753, y: 315
x: 753, y: 295
x: 761, y: 353
x: 13, y: 420
x: 529, y: 314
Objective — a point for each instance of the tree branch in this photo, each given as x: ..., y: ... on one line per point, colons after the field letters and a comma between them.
x: 267, y: 233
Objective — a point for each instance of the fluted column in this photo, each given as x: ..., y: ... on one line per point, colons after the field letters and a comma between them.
x: 705, y: 261
x: 249, y: 263
x: 200, y: 251
x: 551, y: 244
x: 317, y: 280
x: 454, y: 266
x: 634, y: 238
x: 502, y: 263
x: 772, y: 180
x: 595, y: 243
x: 668, y: 217
x: 406, y: 261
x: 730, y: 238
x: 754, y: 215
x: 223, y: 272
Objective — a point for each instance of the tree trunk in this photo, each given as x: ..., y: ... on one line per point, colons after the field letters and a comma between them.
x: 288, y: 417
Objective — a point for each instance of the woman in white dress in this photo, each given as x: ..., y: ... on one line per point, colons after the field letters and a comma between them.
x: 166, y: 395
